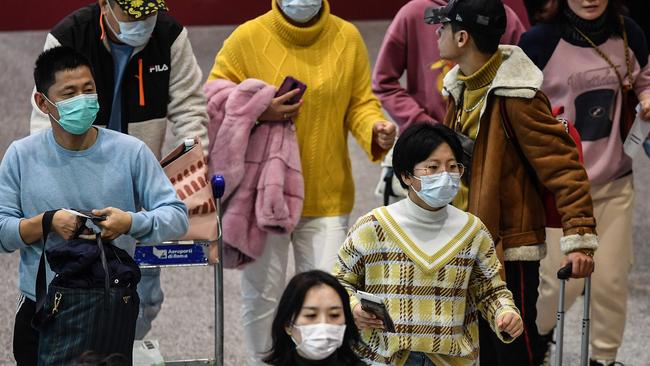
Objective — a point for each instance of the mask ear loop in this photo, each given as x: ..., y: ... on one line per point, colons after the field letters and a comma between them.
x: 110, y: 10
x: 57, y: 108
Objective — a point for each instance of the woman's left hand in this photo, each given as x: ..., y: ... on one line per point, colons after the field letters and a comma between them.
x: 510, y: 323
x: 383, y: 134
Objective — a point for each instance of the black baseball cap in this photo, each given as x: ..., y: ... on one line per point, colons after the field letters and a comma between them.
x: 487, y: 16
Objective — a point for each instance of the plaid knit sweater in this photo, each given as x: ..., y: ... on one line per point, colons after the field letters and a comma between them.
x: 433, y: 300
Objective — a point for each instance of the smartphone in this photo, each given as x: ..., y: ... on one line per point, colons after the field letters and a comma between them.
x: 290, y: 83
x: 375, y: 305
x: 85, y: 214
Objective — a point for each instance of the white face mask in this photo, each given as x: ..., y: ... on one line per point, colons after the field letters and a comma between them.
x: 300, y: 11
x: 319, y: 341
x: 438, y: 190
x: 135, y: 34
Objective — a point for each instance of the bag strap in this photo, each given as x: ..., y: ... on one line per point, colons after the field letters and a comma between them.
x: 41, y: 280
x: 388, y: 185
x: 603, y: 55
x: 512, y: 137
x: 41, y: 277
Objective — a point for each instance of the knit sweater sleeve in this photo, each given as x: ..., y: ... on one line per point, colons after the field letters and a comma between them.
x: 164, y: 216
x: 486, y: 288
x: 10, y: 203
x: 364, y: 109
x: 226, y: 63
x: 349, y: 268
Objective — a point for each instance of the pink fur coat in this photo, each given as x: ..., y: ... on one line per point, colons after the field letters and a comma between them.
x: 261, y: 166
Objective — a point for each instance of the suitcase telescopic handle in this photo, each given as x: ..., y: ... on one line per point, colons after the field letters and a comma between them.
x: 565, y: 272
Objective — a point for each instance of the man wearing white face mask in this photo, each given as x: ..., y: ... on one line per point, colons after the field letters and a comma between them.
x: 146, y: 76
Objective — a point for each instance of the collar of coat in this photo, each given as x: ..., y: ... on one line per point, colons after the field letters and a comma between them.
x: 517, y: 77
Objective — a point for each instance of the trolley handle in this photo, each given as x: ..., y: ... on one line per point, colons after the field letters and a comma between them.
x: 218, y: 186
x: 565, y: 272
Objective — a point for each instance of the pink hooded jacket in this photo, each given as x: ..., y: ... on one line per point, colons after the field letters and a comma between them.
x: 261, y: 166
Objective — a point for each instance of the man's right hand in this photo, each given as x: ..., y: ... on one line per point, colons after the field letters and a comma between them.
x: 582, y: 264
x: 365, y: 320
x: 278, y: 111
x: 65, y: 224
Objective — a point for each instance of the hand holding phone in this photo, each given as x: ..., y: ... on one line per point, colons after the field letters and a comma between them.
x: 290, y: 83
x: 286, y: 103
x: 375, y: 305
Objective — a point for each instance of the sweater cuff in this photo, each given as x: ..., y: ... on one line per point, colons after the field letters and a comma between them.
x: 576, y: 242
x: 354, y: 301
x: 138, y: 225
x: 10, y: 239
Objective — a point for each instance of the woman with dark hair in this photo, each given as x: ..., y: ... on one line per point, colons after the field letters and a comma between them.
x: 431, y: 264
x: 595, y: 65
x: 314, y: 324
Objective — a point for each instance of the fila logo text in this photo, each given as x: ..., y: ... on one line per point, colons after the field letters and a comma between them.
x: 158, y: 68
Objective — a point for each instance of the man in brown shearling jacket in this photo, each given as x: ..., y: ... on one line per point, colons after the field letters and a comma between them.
x: 500, y: 191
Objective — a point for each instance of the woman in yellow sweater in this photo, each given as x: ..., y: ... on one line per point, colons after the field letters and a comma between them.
x: 432, y: 266
x: 302, y: 39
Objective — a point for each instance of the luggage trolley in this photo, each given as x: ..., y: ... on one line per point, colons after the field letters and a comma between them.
x: 193, y: 253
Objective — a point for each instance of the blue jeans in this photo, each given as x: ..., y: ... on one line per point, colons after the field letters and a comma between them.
x: 418, y: 359
x: 151, y: 299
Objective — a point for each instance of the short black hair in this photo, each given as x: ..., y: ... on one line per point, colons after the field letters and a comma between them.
x: 53, y: 60
x: 485, y: 42
x: 289, y: 307
x: 417, y: 142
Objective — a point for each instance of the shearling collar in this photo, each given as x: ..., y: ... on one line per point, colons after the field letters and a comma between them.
x: 517, y: 77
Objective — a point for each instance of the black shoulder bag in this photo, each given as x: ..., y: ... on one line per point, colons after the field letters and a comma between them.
x: 91, y: 304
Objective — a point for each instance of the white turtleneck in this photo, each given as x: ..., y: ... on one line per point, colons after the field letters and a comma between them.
x: 428, y: 230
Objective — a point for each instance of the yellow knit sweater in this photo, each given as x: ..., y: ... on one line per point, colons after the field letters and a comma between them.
x: 331, y: 58
x: 477, y: 86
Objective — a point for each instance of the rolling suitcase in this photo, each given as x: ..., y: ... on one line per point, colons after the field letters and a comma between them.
x: 563, y: 275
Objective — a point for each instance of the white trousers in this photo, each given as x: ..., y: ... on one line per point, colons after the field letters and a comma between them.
x: 316, y: 242
x: 613, y: 209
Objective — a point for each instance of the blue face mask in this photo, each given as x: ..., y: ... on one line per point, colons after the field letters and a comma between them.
x: 301, y: 11
x: 77, y: 114
x: 438, y: 190
x: 136, y: 33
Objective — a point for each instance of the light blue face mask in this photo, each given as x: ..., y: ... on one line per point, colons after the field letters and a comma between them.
x: 438, y: 190
x: 136, y: 33
x: 300, y: 11
x: 77, y: 114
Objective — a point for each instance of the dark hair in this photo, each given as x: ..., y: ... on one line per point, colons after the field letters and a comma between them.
x: 485, y: 42
x: 90, y: 358
x: 54, y: 60
x: 613, y: 13
x: 289, y: 307
x: 417, y: 142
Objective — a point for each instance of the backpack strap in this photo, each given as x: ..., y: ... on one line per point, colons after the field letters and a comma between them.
x: 512, y: 138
